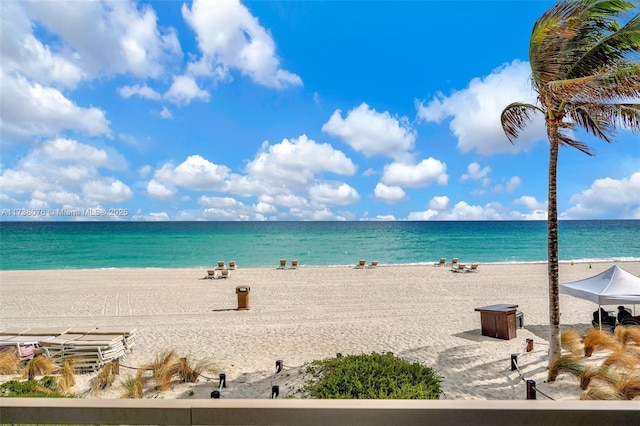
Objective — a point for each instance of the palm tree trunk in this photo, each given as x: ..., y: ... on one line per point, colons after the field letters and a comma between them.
x: 552, y: 242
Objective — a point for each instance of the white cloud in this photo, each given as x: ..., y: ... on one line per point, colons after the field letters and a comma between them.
x: 220, y: 202
x: 264, y: 208
x: 371, y: 132
x: 20, y: 51
x: 229, y: 37
x: 326, y: 194
x: 476, y: 111
x: 65, y: 172
x: 63, y: 150
x: 608, y: 198
x: 294, y: 163
x: 439, y: 203
x: 106, y: 190
x: 415, y: 175
x: 424, y: 215
x: 464, y: 211
x: 83, y: 29
x: 160, y: 191
x: 184, y: 89
x: 531, y: 203
x: 194, y: 173
x: 511, y: 185
x: 151, y: 217
x: 389, y: 194
x: 474, y: 172
x: 29, y: 111
x: 316, y: 214
x: 166, y: 114
x: 141, y: 91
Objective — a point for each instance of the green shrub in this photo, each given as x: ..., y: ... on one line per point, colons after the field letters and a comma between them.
x: 43, y: 388
x: 372, y: 376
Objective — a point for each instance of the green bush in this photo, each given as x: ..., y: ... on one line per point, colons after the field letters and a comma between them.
x: 43, y: 388
x: 372, y: 376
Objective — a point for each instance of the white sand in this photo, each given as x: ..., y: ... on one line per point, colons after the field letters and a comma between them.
x: 420, y: 313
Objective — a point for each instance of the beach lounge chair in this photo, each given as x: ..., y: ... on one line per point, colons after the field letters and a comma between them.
x: 294, y: 264
x: 373, y: 264
x: 631, y: 321
x: 472, y: 268
x: 283, y: 264
x: 443, y: 262
x: 232, y: 264
x: 361, y: 264
x: 458, y: 267
x: 454, y: 262
x: 220, y: 265
x: 211, y: 274
x: 225, y: 273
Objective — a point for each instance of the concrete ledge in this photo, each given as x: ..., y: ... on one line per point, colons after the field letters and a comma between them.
x: 315, y: 412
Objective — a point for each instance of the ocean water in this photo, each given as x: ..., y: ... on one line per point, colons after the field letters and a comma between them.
x: 63, y: 245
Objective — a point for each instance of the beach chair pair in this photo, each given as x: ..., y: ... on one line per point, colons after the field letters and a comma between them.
x: 461, y: 267
x: 442, y: 262
x: 283, y: 264
x: 363, y: 264
x: 221, y: 265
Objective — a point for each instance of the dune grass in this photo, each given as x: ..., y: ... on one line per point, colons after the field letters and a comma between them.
x: 105, y: 378
x: 133, y: 386
x: 570, y: 340
x: 565, y: 364
x: 600, y: 340
x: 38, y: 366
x: 9, y: 361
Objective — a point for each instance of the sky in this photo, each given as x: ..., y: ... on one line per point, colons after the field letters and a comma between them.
x: 284, y: 110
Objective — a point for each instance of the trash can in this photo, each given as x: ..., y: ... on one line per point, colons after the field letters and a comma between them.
x: 243, y: 296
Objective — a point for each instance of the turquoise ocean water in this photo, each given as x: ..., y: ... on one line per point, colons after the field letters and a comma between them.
x: 63, y: 245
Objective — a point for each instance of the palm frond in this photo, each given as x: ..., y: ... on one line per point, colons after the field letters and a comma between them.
x: 581, y: 146
x: 601, y: 120
x: 615, y: 83
x: 609, y: 49
x: 516, y: 117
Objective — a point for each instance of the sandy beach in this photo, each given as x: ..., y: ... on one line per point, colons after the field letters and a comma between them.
x: 421, y: 313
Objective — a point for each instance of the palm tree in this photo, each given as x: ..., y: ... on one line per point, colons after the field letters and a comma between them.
x: 586, y: 73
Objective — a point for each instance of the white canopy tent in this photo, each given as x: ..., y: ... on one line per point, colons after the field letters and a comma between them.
x: 611, y: 287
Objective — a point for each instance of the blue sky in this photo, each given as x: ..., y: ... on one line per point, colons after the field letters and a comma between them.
x: 261, y: 110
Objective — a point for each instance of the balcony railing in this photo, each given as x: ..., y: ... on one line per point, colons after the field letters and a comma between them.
x: 314, y: 412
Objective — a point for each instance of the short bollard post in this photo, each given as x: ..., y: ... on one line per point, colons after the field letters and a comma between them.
x: 215, y: 394
x: 529, y: 345
x: 275, y: 391
x: 278, y: 366
x: 223, y: 380
x: 514, y: 362
x: 531, y: 389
